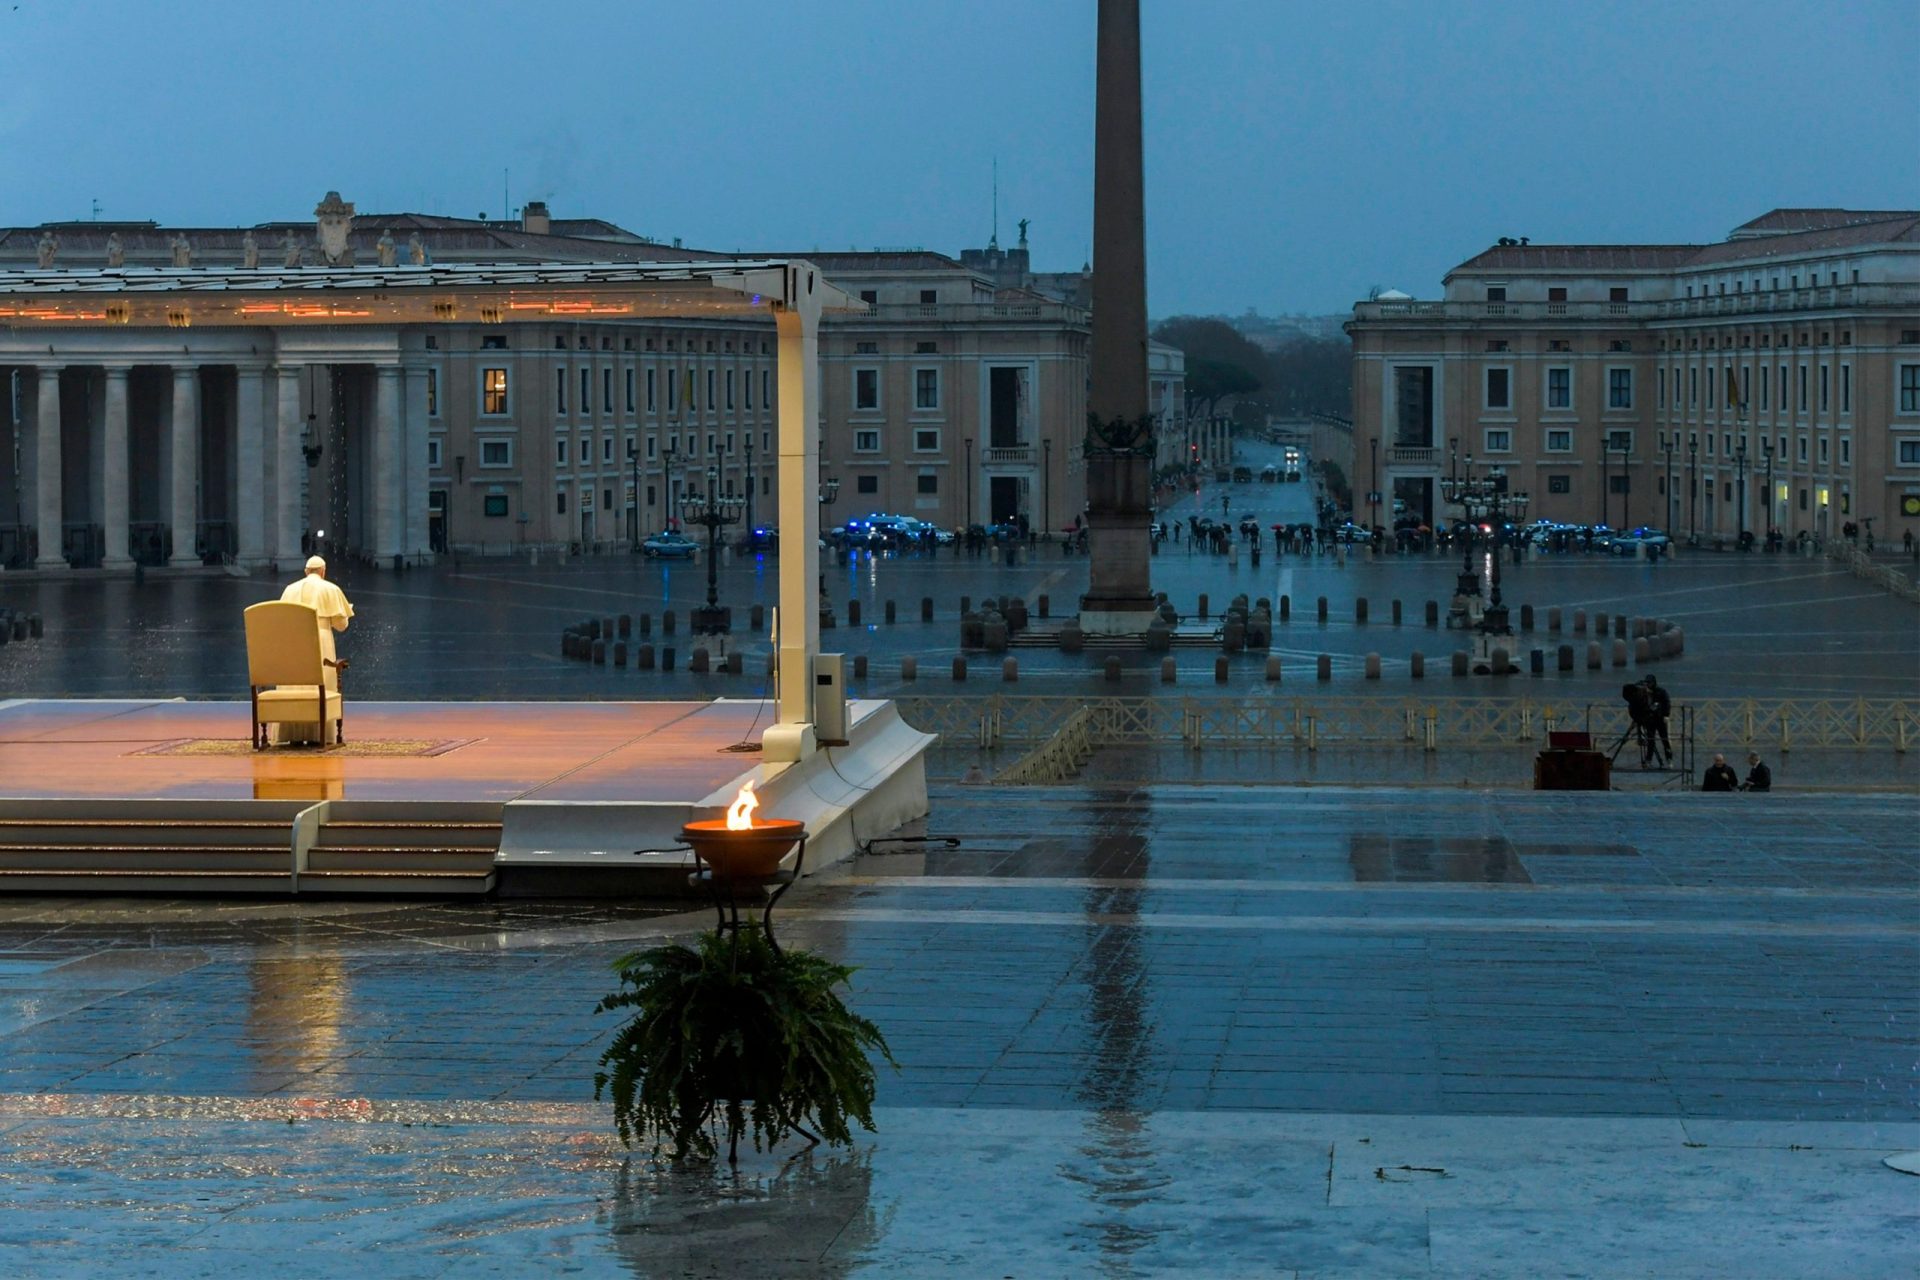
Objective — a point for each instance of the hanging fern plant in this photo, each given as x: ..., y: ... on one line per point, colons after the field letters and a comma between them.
x: 732, y: 1032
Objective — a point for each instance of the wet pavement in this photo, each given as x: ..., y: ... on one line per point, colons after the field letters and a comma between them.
x: 1213, y: 1031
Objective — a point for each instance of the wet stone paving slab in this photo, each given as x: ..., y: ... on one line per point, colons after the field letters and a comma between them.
x: 1142, y: 1031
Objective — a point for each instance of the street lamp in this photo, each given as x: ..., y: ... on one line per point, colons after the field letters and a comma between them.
x: 714, y: 511
x: 1046, y: 487
x: 1373, y: 486
x: 1666, y: 446
x: 1626, y: 481
x: 1693, y: 489
x: 748, y: 441
x: 829, y: 490
x: 1455, y: 489
x: 1740, y: 483
x: 968, y: 522
x: 1486, y: 498
x: 1766, y: 448
x: 633, y: 501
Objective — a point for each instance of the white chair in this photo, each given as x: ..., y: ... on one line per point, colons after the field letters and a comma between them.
x: 290, y: 677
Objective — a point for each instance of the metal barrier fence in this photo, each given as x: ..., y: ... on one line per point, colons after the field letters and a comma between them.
x: 1456, y: 724
x: 1862, y: 565
x: 1055, y: 760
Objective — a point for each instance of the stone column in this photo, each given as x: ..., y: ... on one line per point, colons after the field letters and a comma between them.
x: 1119, y: 595
x: 287, y: 464
x: 185, y: 433
x: 115, y: 464
x: 46, y: 446
x: 386, y: 464
x: 798, y: 480
x: 414, y: 479
x: 249, y: 431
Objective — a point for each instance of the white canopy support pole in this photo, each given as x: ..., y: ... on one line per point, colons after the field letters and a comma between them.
x: 792, y: 738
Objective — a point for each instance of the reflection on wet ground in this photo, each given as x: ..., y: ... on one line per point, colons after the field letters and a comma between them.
x: 1142, y: 1031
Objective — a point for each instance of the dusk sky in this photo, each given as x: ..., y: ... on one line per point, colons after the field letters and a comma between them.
x: 1296, y: 154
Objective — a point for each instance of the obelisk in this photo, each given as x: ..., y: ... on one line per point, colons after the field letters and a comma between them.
x: 1119, y: 598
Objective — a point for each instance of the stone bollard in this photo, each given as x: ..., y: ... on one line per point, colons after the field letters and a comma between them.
x: 859, y: 666
x: 1112, y: 668
x: 1553, y: 618
x: 1462, y: 661
x: 1502, y: 664
x: 1321, y: 608
x: 890, y: 613
x: 1203, y: 605
x: 1373, y: 666
x: 993, y: 634
x: 620, y: 653
x: 1396, y: 613
x: 666, y: 622
x: 599, y: 653
x: 1642, y: 652
x: 1169, y: 672
x: 593, y: 628
x: 1678, y: 639
x: 643, y: 657
x: 1600, y: 625
x: 1273, y: 668
x: 1159, y: 637
x: 1045, y: 605
x: 1072, y: 639
x: 1594, y: 660
x: 1286, y: 607
x: 926, y: 608
x: 1619, y: 626
x: 666, y: 658
x: 966, y: 604
x: 1221, y: 670
x: 699, y: 661
x: 757, y: 617
x: 1010, y: 669
x: 735, y: 663
x: 853, y: 613
x: 1619, y: 653
x: 960, y: 670
x: 607, y: 628
x: 1433, y: 613
x: 1417, y: 665
x: 909, y: 669
x: 1526, y: 617
x: 1233, y: 636
x: 1323, y: 667
x: 624, y: 624
x: 1564, y: 659
x: 1579, y: 622
x: 35, y: 628
x: 646, y: 624
x: 1360, y: 609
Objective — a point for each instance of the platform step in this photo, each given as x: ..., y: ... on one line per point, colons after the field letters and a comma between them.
x: 395, y: 881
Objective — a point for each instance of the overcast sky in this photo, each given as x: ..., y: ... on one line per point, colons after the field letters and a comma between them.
x: 1296, y: 154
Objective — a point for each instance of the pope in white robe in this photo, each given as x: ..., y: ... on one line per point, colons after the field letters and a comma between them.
x: 329, y: 604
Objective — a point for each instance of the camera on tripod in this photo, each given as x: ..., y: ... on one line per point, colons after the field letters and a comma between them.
x: 1639, y: 702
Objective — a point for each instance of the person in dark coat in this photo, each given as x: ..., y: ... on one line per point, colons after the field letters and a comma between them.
x: 1720, y: 776
x: 1759, y: 777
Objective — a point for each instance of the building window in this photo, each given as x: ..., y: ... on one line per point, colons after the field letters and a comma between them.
x: 1496, y: 293
x: 1559, y: 484
x: 1620, y: 484
x: 493, y: 391
x: 1803, y: 448
x: 711, y: 402
x: 1763, y: 388
x: 1802, y: 399
x: 650, y: 391
x: 926, y: 388
x: 766, y: 398
x: 586, y: 390
x: 433, y: 393
x: 586, y: 451
x: 1910, y: 388
x: 1499, y: 389
x: 496, y: 453
x: 870, y: 296
x: 926, y: 440
x: 1619, y: 442
x: 1499, y: 440
x: 1662, y: 397
x: 606, y: 392
x: 746, y: 385
x: 1910, y: 453
x: 1556, y: 293
x: 1619, y: 388
x: 494, y: 342
x: 729, y: 391
x: 866, y: 484
x: 606, y: 449
x: 1560, y: 387
x: 866, y: 388
x: 1616, y: 295
x: 494, y: 506
x: 1693, y: 386
x: 926, y: 348
x: 1559, y: 344
x: 1498, y: 344
x: 1823, y: 388
x: 929, y: 296
x: 866, y: 440
x: 559, y: 388
x: 673, y: 393
x: 1846, y: 389
x: 866, y: 348
x: 1620, y: 344
x: 560, y: 452
x: 927, y: 482
x: 560, y: 502
x: 1823, y: 451
x: 1560, y: 440
x: 606, y: 499
x: 433, y: 455
x: 629, y: 390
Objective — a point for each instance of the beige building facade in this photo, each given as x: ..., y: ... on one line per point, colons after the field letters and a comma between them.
x: 949, y: 399
x: 1767, y: 382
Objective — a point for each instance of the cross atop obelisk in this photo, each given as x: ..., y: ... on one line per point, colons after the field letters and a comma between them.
x: 1119, y: 599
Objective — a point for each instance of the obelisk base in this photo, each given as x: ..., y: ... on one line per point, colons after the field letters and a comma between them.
x: 1117, y: 617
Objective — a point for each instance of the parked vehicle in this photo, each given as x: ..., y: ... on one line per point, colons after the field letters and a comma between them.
x: 669, y: 545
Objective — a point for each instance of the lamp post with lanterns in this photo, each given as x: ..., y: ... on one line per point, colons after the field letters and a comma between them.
x: 715, y: 511
x: 1486, y: 498
x: 829, y: 490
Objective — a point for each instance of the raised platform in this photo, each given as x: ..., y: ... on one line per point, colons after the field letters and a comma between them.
x: 438, y: 797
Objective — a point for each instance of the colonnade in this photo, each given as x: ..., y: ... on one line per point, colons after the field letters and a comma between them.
x: 118, y: 459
